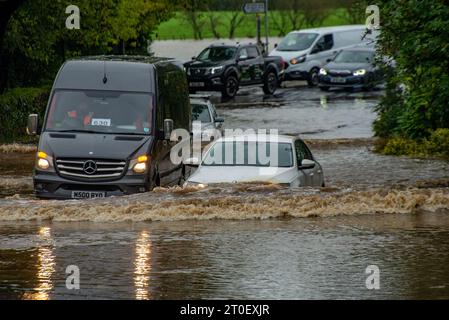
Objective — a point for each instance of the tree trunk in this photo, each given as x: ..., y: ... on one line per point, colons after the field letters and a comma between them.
x: 7, y: 8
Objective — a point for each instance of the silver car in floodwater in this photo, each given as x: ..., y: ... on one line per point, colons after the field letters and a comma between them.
x: 281, y: 160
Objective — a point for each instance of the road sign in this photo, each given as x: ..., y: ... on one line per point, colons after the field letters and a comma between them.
x: 254, y: 7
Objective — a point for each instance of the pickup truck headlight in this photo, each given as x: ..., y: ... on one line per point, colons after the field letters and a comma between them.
x: 323, y: 72
x: 300, y: 59
x: 214, y: 70
x: 360, y: 72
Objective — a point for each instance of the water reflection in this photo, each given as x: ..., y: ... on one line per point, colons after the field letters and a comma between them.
x: 46, y: 267
x: 142, y: 266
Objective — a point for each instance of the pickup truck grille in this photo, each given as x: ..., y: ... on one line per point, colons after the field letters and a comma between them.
x: 91, y: 169
x: 198, y: 72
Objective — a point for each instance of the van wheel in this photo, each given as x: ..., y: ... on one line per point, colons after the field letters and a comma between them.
x: 231, y: 86
x: 312, y: 80
x: 271, y: 83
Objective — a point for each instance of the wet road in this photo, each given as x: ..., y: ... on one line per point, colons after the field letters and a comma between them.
x: 244, y: 241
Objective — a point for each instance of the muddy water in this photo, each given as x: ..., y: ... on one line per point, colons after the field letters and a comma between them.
x: 247, y: 240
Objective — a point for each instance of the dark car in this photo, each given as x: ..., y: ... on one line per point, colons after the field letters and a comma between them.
x: 107, y: 128
x: 351, y: 68
x: 226, y: 68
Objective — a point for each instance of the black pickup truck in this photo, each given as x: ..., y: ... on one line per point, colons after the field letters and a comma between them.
x: 226, y: 68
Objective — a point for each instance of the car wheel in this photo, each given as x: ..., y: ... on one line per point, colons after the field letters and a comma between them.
x: 231, y: 86
x: 313, y: 80
x: 325, y: 88
x: 271, y: 83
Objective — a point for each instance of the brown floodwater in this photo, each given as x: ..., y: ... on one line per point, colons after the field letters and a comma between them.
x: 243, y: 241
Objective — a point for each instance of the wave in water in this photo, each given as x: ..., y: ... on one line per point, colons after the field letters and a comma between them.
x: 239, y: 202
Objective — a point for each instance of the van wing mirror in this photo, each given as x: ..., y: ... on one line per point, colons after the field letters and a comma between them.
x: 168, y: 128
x: 219, y: 120
x: 33, y: 125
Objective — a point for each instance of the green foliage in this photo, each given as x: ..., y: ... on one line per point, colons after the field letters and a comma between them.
x: 436, y: 145
x: 16, y: 105
x: 37, y: 41
x: 178, y: 27
x: 414, y: 33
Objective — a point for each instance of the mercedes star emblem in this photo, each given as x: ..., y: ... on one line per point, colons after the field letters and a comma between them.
x: 90, y: 167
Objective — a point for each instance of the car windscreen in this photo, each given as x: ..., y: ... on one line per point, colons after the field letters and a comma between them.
x: 297, y: 41
x: 217, y: 54
x: 355, y: 56
x: 200, y: 112
x: 252, y: 154
x: 101, y: 111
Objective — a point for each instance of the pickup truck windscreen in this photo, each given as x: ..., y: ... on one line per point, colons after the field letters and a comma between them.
x: 297, y: 41
x: 217, y: 54
x: 100, y: 112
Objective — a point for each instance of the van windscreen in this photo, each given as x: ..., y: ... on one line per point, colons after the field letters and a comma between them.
x: 101, y: 111
x: 297, y: 41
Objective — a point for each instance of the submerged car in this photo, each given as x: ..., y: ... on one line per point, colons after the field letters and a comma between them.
x: 205, y: 112
x: 281, y: 160
x: 107, y: 128
x: 351, y: 68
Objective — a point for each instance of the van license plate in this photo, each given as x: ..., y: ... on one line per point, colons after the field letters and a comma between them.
x: 88, y: 195
x: 338, y: 80
x: 197, y: 84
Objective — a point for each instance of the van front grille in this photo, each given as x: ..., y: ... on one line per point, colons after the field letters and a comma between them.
x: 90, y: 168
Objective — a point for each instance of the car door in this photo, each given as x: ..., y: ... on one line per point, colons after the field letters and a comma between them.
x: 244, y: 65
x: 306, y: 175
x: 322, y: 51
x: 313, y: 176
x: 257, y: 65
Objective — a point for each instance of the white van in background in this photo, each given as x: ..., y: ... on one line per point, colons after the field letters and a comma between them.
x: 306, y: 51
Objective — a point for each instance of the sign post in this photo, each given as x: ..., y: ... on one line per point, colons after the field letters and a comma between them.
x: 258, y: 8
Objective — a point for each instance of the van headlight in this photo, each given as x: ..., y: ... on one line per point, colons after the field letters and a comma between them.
x: 360, y: 72
x: 139, y: 165
x: 43, y: 164
x: 300, y: 59
x: 323, y: 72
x: 43, y: 161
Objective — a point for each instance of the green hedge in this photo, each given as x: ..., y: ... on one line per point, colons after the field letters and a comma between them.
x: 15, y: 106
x: 436, y: 145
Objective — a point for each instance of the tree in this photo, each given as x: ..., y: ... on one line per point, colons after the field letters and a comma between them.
x: 37, y: 40
x: 194, y: 15
x: 7, y: 8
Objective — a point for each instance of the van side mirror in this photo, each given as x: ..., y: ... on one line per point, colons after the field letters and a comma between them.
x: 168, y: 128
x: 307, y: 164
x: 33, y: 125
x: 193, y: 58
x: 219, y: 120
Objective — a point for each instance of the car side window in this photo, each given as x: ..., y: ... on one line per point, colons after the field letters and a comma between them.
x: 243, y: 53
x: 302, y: 152
x: 325, y: 43
x: 253, y: 53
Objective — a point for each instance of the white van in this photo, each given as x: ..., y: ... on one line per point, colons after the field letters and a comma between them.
x: 306, y: 51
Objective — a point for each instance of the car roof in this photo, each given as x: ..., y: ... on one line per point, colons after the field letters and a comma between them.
x: 255, y: 138
x: 199, y: 101
x: 232, y: 44
x: 360, y: 48
x: 124, y: 58
x: 332, y: 29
